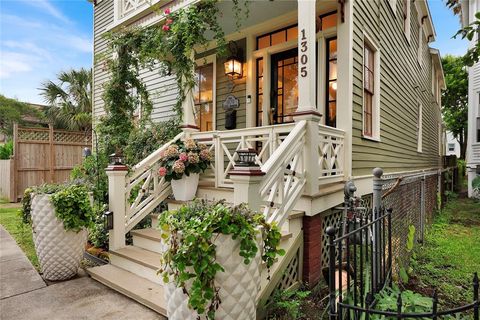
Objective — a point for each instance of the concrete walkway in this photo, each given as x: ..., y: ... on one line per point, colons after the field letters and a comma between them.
x: 24, y: 295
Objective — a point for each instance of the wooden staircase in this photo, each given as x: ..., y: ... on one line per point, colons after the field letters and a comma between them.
x: 133, y: 269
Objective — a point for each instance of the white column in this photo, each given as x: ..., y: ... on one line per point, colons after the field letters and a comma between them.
x: 117, y: 204
x: 306, y: 56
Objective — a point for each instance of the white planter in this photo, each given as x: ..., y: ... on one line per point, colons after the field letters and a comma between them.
x: 185, y: 188
x: 59, y: 252
x: 239, y: 286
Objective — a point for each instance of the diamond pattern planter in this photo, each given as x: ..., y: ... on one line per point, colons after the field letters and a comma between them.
x: 239, y: 286
x: 58, y: 251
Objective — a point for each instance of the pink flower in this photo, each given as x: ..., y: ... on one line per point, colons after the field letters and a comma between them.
x: 165, y: 28
x: 167, y: 11
x: 162, y: 172
x: 183, y: 156
x: 169, y: 21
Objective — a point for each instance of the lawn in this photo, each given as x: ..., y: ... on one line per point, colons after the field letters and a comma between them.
x: 22, y: 233
x: 451, y: 253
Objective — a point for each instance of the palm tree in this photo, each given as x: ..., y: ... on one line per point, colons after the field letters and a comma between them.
x: 69, y: 99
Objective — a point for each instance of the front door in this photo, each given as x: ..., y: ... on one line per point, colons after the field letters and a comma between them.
x: 284, y: 91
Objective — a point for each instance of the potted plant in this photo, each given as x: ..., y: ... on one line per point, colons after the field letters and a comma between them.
x: 60, y: 215
x: 212, y: 259
x: 181, y: 164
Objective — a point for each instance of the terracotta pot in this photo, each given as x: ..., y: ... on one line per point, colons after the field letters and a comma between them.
x: 59, y: 252
x: 185, y: 188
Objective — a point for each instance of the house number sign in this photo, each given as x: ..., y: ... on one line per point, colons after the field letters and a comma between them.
x: 303, y: 55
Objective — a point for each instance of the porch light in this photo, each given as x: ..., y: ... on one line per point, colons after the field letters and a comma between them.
x: 108, y: 220
x: 116, y: 158
x: 233, y: 67
x: 246, y: 158
x: 233, y: 64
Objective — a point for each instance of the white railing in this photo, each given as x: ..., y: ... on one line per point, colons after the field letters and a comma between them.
x: 475, y: 150
x: 284, y: 177
x: 224, y: 145
x: 152, y: 189
x: 127, y: 7
x: 330, y: 153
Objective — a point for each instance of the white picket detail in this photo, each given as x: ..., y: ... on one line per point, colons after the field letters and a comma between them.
x: 331, y: 154
x: 152, y: 189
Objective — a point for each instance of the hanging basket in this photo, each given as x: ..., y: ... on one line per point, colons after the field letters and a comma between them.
x: 59, y: 252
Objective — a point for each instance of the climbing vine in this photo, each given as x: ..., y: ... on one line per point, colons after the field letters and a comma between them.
x: 169, y: 48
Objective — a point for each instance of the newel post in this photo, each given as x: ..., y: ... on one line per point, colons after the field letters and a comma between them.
x: 246, y: 177
x: 117, y: 174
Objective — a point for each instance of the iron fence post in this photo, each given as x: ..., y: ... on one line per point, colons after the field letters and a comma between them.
x: 475, y: 297
x: 434, y: 305
x: 399, y: 306
x: 377, y: 204
x: 331, y: 271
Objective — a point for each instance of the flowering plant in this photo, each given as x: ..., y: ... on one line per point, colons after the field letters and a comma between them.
x: 182, y: 158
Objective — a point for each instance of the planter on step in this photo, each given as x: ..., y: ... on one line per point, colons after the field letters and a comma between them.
x: 185, y: 188
x: 239, y: 285
x: 59, y: 252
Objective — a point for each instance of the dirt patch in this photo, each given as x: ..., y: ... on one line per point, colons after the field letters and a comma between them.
x: 465, y: 222
x: 10, y: 205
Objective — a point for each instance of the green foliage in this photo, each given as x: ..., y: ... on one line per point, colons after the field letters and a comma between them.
x: 71, y: 203
x: 72, y: 206
x: 69, y: 99
x: 6, y: 150
x: 287, y: 304
x: 451, y: 195
x: 91, y: 172
x: 455, y: 99
x: 412, y: 302
x: 190, y: 233
x: 471, y: 32
x: 145, y: 140
x: 185, y: 157
x: 97, y: 234
x: 476, y: 183
x: 12, y: 111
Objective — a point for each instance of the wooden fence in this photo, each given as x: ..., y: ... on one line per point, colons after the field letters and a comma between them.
x: 6, y: 177
x: 44, y: 155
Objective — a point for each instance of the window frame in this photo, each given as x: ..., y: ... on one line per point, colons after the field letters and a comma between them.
x: 375, y: 134
x: 420, y: 127
x: 393, y: 5
x: 201, y: 62
x: 420, y: 45
x: 406, y: 15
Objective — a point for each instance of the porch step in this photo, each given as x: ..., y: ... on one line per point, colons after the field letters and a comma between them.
x: 139, y: 261
x: 137, y: 288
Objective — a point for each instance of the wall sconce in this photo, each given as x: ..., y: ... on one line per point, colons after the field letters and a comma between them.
x: 246, y: 158
x: 234, y: 63
x: 108, y: 220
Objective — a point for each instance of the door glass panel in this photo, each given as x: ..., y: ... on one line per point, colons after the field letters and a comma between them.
x: 284, y: 85
x: 259, y: 91
x: 203, y: 97
x: 331, y: 103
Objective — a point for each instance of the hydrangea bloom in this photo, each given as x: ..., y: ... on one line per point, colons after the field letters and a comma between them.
x: 162, y: 171
x: 178, y: 166
x: 183, y: 156
x: 205, y: 155
x: 193, y: 157
x: 190, y: 144
x: 172, y: 151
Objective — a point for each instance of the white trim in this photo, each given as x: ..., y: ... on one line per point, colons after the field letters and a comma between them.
x: 420, y: 127
x: 408, y: 22
x: 393, y: 5
x: 420, y: 45
x: 376, y: 96
x: 211, y: 59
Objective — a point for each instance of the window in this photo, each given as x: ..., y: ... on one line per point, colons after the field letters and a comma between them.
x: 371, y: 90
x: 420, y: 45
x: 204, y: 97
x: 259, y: 84
x: 420, y: 128
x: 451, y: 147
x: 406, y: 18
x: 331, y: 103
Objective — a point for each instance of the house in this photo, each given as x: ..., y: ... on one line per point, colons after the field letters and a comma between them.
x: 453, y: 146
x: 362, y: 92
x: 469, y: 8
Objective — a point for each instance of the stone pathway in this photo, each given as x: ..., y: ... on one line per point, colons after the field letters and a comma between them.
x: 24, y: 294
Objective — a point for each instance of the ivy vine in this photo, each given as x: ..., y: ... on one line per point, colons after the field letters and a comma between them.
x: 190, y: 259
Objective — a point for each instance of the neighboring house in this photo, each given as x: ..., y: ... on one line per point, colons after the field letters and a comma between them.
x: 372, y: 99
x: 469, y: 8
x: 453, y: 146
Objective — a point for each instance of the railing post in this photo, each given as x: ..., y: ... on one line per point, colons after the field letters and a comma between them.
x: 188, y: 104
x: 331, y: 272
x: 475, y: 297
x: 117, y: 204
x: 377, y: 205
x: 246, y: 185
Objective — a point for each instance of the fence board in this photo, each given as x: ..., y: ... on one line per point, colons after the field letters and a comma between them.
x: 44, y: 155
x: 6, y: 177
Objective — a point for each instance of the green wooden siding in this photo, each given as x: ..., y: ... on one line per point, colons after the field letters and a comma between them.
x: 403, y: 83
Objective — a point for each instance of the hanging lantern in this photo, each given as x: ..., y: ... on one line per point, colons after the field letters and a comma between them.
x: 234, y: 63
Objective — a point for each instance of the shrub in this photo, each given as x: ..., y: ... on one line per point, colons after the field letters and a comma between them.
x: 6, y: 150
x: 287, y: 304
x: 91, y: 172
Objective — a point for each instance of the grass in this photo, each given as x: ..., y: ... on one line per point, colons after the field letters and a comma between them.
x: 451, y: 253
x: 11, y: 220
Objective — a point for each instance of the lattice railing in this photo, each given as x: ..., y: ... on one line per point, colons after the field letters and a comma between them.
x: 331, y: 153
x: 224, y: 145
x: 145, y: 189
x: 284, y: 176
